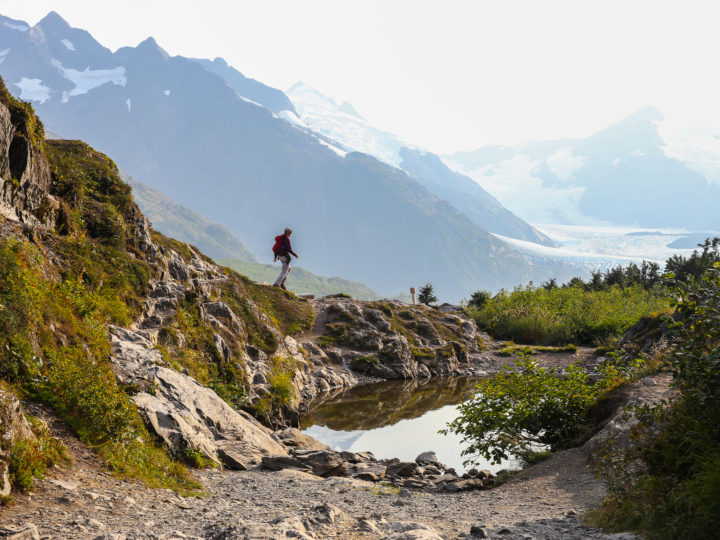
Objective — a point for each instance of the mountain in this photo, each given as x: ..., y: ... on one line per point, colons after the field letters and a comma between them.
x: 626, y: 174
x: 179, y: 222
x: 183, y: 130
x: 272, y: 98
x: 345, y: 125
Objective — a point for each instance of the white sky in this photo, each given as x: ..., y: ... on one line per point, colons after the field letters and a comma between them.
x: 446, y: 75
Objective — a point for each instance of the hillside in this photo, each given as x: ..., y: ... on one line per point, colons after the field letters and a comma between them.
x: 178, y: 222
x: 251, y: 171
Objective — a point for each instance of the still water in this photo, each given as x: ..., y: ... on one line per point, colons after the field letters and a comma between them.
x: 394, y: 419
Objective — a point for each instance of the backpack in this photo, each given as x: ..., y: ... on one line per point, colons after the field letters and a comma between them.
x: 278, y: 245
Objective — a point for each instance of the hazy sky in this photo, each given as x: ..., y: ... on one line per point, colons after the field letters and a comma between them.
x: 447, y: 75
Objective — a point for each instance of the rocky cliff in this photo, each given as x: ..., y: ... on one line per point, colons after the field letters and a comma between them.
x: 132, y: 337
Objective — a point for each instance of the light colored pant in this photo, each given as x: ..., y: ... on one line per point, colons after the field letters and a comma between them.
x: 285, y: 260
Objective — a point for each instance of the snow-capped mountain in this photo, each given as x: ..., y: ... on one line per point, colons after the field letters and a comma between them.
x: 635, y: 172
x: 344, y: 124
x: 185, y: 130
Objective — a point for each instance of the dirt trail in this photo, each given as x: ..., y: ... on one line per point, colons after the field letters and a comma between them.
x: 85, y: 501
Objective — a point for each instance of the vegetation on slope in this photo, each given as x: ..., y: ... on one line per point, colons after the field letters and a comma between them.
x: 666, y: 484
x: 594, y: 312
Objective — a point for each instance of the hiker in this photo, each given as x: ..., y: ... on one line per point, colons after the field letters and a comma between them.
x: 282, y: 250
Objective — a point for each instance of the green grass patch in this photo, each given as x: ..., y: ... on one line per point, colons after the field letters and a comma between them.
x: 567, y: 315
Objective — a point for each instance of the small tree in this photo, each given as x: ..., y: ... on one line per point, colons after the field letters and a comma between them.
x: 478, y: 299
x: 427, y: 295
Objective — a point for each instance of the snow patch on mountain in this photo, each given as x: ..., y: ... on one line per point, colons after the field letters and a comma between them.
x: 514, y: 182
x: 697, y: 145
x: 18, y: 27
x: 291, y: 118
x: 343, y: 124
x: 563, y: 163
x: 338, y: 151
x: 88, y: 79
x: 33, y: 90
x: 3, y: 54
x: 68, y: 44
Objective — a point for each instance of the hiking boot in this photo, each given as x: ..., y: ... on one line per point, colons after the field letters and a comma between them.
x: 283, y: 287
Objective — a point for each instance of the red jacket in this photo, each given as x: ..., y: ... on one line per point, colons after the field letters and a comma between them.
x: 285, y: 247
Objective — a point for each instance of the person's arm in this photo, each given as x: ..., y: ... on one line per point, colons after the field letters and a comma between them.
x: 290, y: 250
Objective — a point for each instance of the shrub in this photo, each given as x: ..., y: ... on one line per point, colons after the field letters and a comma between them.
x: 520, y: 411
x: 30, y: 458
x: 667, y: 482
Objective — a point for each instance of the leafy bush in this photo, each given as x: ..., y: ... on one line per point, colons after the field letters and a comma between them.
x: 30, y: 458
x: 520, y: 411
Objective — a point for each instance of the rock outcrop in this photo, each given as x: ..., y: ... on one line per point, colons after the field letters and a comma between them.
x: 393, y: 340
x: 24, y: 171
x: 13, y: 428
x: 187, y: 416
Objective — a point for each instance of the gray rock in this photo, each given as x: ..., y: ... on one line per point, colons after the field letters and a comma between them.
x: 478, y: 531
x: 426, y: 457
x: 277, y: 463
x: 370, y: 471
x: 367, y: 525
x: 403, y: 469
x: 323, y: 463
x: 293, y: 437
x: 187, y: 415
x: 28, y: 531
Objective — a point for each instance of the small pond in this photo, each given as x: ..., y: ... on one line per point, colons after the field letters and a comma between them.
x: 394, y: 419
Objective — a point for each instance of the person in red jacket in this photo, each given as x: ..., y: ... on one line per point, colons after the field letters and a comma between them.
x: 282, y: 250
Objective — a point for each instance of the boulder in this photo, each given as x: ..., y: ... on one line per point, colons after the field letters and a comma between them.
x: 323, y: 463
x: 293, y: 437
x: 372, y: 472
x: 402, y: 468
x: 426, y: 457
x: 185, y: 414
x: 278, y: 463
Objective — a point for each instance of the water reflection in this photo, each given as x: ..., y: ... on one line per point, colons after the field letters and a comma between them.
x: 393, y: 419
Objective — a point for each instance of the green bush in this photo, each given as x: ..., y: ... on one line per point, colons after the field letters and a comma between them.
x: 666, y: 484
x: 567, y: 314
x: 30, y: 458
x: 519, y: 412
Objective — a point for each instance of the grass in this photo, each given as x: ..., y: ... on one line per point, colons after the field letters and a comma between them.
x: 509, y: 348
x: 567, y: 315
x: 30, y: 458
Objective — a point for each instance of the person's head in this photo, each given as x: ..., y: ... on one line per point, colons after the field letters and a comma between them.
x: 288, y: 231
